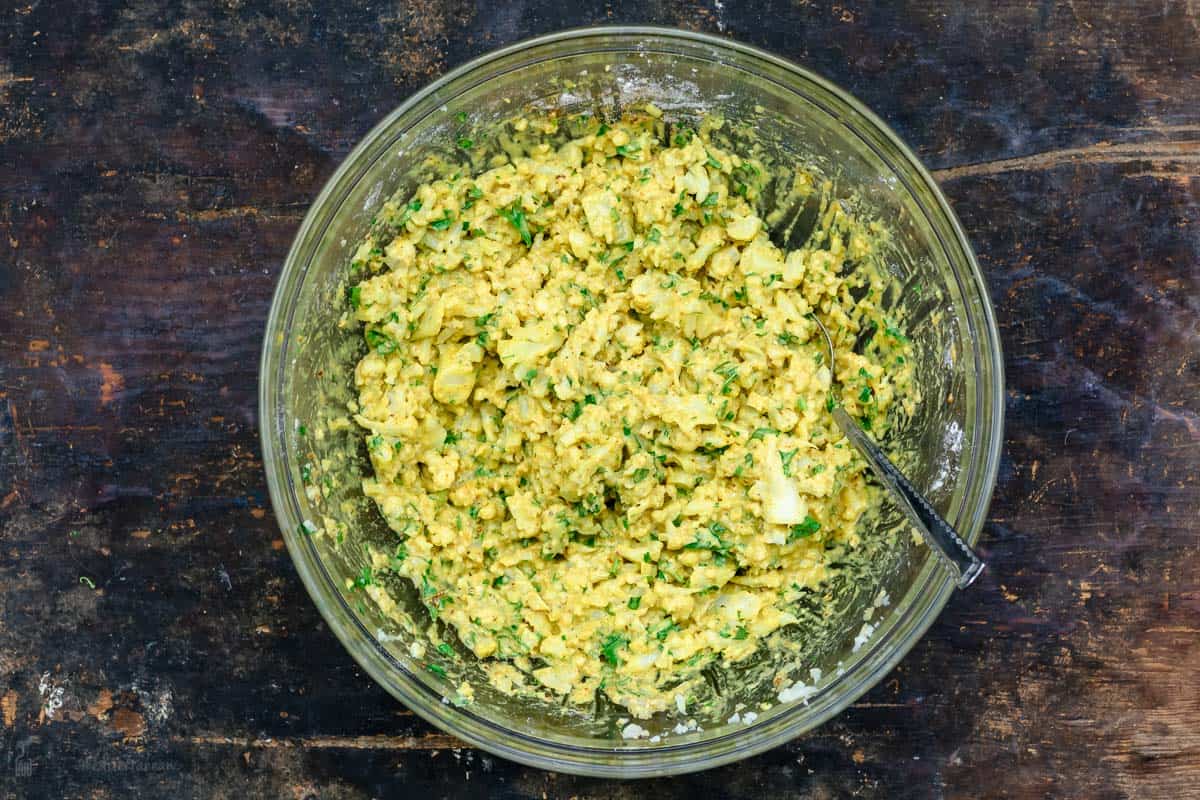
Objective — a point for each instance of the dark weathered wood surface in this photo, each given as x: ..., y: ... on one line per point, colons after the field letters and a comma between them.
x: 155, y: 160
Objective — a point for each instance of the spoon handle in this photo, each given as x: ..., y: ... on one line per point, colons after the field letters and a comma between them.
x: 938, y: 533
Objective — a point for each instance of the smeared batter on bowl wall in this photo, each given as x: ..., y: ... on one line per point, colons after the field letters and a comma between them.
x: 598, y: 412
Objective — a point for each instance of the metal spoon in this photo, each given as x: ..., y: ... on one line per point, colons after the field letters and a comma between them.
x: 939, y: 534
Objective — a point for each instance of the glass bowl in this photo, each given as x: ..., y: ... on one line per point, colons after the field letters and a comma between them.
x: 950, y: 447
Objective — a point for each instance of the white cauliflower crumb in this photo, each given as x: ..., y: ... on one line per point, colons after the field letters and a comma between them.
x: 797, y: 691
x: 634, y: 731
x: 863, y: 635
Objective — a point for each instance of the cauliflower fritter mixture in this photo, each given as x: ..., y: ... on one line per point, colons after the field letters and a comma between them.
x: 598, y: 411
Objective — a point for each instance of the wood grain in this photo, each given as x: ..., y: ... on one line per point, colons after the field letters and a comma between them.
x: 157, y: 159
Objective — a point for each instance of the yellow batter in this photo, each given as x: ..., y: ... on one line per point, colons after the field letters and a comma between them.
x: 598, y: 414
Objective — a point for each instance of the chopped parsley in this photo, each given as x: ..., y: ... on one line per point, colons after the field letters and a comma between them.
x: 894, y: 332
x: 727, y: 370
x: 413, y: 207
x: 805, y: 529
x: 577, y: 408
x: 610, y: 645
x: 364, y: 578
x: 380, y: 342
x: 516, y: 217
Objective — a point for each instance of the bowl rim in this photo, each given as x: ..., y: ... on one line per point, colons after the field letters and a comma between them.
x: 414, y: 692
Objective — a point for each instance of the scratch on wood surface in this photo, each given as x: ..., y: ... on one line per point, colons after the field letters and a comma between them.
x: 112, y: 385
x: 8, y: 704
x: 429, y: 741
x: 292, y: 211
x: 1168, y: 158
x: 8, y: 79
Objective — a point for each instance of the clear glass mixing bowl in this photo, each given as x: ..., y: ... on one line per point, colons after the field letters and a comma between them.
x: 950, y: 448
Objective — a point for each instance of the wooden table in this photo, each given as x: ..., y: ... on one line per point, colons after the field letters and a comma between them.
x: 154, y: 165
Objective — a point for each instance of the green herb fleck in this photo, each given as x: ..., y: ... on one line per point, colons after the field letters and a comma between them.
x: 728, y: 371
x: 610, y: 645
x: 894, y: 332
x: 577, y: 408
x: 662, y: 633
x: 805, y: 529
x: 380, y: 342
x: 516, y: 218
x: 364, y: 578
